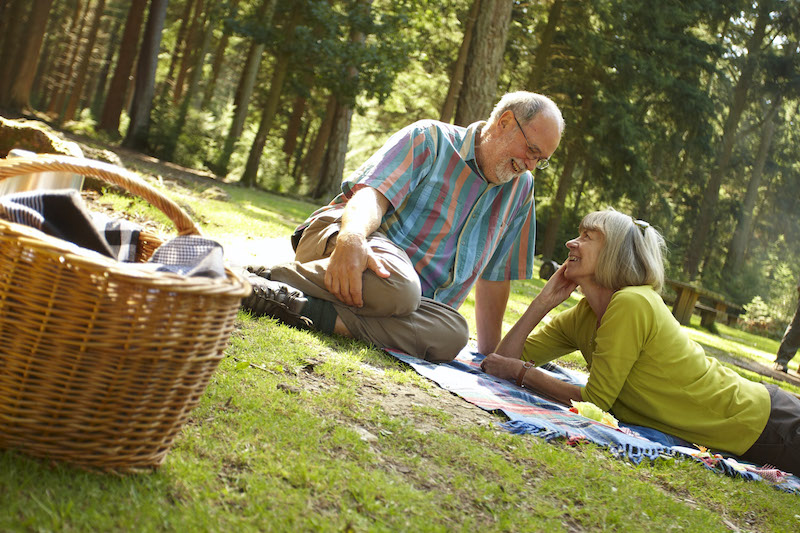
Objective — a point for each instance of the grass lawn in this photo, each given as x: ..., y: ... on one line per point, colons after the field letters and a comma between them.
x: 302, y: 432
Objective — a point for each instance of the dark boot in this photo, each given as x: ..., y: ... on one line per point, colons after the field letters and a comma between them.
x: 276, y: 299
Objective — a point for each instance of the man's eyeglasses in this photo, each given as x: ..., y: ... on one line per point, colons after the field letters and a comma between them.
x: 541, y: 164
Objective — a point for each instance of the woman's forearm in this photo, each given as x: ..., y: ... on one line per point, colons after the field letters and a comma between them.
x: 560, y: 391
x: 514, y: 341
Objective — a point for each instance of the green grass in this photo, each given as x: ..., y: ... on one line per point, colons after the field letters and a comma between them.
x: 302, y: 432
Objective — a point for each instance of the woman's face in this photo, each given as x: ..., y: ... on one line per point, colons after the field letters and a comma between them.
x: 583, y: 253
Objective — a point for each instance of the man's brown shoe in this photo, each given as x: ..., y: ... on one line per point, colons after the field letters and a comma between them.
x: 276, y: 299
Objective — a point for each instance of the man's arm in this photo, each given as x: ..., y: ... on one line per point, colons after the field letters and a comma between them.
x: 491, y: 298
x: 352, y: 256
x: 507, y: 363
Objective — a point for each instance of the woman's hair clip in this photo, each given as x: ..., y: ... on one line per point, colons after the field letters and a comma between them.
x: 641, y: 224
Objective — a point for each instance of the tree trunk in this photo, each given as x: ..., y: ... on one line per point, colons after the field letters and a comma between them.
x: 102, y: 76
x: 216, y: 64
x: 83, y: 65
x: 139, y: 126
x: 47, y: 61
x: 189, y: 53
x: 280, y: 69
x: 738, y: 246
x: 241, y: 101
x: 457, y: 79
x: 312, y: 162
x: 244, y: 91
x: 194, y: 82
x: 485, y: 62
x: 579, y: 195
x: 574, y: 149
x: 63, y: 77
x: 6, y: 10
x: 298, y: 156
x: 19, y: 96
x: 543, y: 50
x: 708, y: 206
x: 13, y: 22
x: 250, y: 175
x: 115, y: 99
x: 175, y: 56
x: 557, y: 205
x: 293, y: 128
x: 333, y: 168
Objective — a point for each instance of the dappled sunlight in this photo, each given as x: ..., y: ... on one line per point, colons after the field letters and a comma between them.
x: 734, y: 347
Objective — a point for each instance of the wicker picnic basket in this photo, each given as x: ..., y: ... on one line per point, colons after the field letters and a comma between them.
x: 101, y: 363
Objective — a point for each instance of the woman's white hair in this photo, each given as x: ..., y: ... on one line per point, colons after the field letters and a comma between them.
x: 633, y: 253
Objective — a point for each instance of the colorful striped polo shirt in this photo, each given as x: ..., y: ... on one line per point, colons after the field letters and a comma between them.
x: 453, y: 224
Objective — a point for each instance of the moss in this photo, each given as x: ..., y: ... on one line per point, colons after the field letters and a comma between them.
x: 34, y: 136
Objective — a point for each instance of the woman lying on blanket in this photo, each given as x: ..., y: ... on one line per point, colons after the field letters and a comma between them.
x: 642, y: 365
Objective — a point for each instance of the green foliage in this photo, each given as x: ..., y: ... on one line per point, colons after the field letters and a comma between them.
x: 645, y: 88
x: 759, y: 317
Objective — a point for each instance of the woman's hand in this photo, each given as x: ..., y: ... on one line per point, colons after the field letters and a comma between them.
x: 558, y: 288
x: 535, y: 380
x: 501, y: 367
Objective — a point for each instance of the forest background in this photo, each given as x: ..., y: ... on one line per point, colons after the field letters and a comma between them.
x: 682, y: 113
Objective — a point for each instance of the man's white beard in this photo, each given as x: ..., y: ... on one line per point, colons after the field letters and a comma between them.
x: 505, y: 173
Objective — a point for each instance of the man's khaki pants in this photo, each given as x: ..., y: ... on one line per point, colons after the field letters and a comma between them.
x: 394, y: 314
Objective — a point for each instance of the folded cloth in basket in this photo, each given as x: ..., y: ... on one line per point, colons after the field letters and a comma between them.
x: 190, y: 255
x: 62, y: 214
x: 121, y: 235
x: 529, y: 413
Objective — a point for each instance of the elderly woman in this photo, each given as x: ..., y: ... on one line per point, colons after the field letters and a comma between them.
x: 642, y: 366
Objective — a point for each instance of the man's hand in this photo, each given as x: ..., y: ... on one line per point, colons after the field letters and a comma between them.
x: 351, y: 257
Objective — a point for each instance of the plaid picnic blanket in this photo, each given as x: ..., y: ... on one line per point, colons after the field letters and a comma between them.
x: 529, y: 413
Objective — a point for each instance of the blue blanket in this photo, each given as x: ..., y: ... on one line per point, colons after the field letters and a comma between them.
x: 529, y: 413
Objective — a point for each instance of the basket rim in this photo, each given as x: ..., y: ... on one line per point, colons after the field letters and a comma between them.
x: 64, y: 251
x: 107, y: 172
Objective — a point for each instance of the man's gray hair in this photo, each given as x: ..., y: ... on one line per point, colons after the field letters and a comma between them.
x: 525, y: 106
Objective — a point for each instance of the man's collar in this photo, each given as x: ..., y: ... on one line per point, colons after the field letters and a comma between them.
x: 472, y: 137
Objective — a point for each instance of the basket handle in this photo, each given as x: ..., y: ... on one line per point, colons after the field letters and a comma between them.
x: 107, y: 172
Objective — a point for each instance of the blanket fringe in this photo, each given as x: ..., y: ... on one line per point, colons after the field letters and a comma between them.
x: 518, y: 427
x: 635, y: 454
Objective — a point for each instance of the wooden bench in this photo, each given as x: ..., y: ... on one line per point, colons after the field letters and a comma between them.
x: 708, y: 315
x: 712, y: 308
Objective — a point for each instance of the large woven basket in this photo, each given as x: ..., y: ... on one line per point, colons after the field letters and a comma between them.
x: 100, y: 364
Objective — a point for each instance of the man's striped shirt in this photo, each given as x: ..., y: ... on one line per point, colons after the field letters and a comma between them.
x: 453, y: 224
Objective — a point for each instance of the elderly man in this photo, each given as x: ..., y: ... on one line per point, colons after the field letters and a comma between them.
x: 437, y: 210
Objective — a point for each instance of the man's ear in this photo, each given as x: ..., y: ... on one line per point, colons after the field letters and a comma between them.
x: 505, y: 120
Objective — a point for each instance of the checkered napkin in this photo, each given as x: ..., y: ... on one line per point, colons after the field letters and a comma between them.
x: 531, y: 414
x: 60, y: 214
x: 63, y: 214
x: 190, y: 255
x: 122, y: 236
